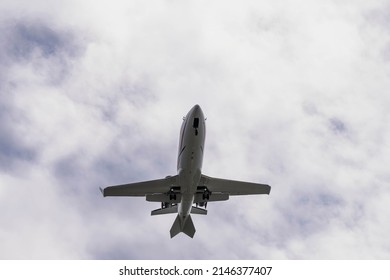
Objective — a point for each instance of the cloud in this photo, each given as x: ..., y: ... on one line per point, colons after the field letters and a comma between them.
x: 295, y: 95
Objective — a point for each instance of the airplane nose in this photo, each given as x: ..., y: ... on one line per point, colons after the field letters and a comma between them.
x: 196, y: 111
x: 196, y: 108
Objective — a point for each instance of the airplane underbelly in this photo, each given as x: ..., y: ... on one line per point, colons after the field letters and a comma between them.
x: 190, y: 173
x: 186, y: 204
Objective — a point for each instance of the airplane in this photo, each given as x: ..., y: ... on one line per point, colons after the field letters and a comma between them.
x: 179, y: 193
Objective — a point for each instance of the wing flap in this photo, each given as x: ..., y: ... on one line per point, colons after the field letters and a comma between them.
x: 163, y: 198
x: 217, y: 185
x: 213, y: 197
x: 141, y: 188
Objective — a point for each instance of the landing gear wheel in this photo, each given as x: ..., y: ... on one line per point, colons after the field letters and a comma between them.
x: 172, y: 196
x: 206, y: 195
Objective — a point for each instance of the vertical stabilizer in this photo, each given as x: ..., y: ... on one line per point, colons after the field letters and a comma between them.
x: 187, y: 228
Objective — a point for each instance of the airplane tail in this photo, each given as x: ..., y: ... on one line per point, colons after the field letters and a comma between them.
x: 186, y: 226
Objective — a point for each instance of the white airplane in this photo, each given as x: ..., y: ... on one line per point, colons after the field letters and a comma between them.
x: 179, y: 193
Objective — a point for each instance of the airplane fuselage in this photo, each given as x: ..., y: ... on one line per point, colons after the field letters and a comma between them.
x: 190, y: 158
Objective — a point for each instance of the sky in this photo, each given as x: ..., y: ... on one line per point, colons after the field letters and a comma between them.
x: 296, y: 95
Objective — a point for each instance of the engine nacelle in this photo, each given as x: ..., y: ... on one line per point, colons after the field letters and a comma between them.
x: 202, y: 204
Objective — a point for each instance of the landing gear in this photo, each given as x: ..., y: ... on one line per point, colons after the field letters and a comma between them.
x: 206, y: 195
x: 172, y: 195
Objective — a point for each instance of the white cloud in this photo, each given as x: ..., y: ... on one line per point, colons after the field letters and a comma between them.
x: 295, y: 94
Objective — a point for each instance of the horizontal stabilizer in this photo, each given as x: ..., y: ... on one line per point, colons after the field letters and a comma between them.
x: 168, y: 210
x: 197, y: 210
x: 175, y: 229
x: 188, y: 227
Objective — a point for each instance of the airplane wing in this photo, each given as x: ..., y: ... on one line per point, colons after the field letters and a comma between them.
x: 141, y: 188
x: 216, y: 185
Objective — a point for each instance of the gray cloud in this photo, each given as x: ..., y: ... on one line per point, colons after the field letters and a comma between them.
x: 13, y: 148
x: 37, y: 45
x: 30, y: 37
